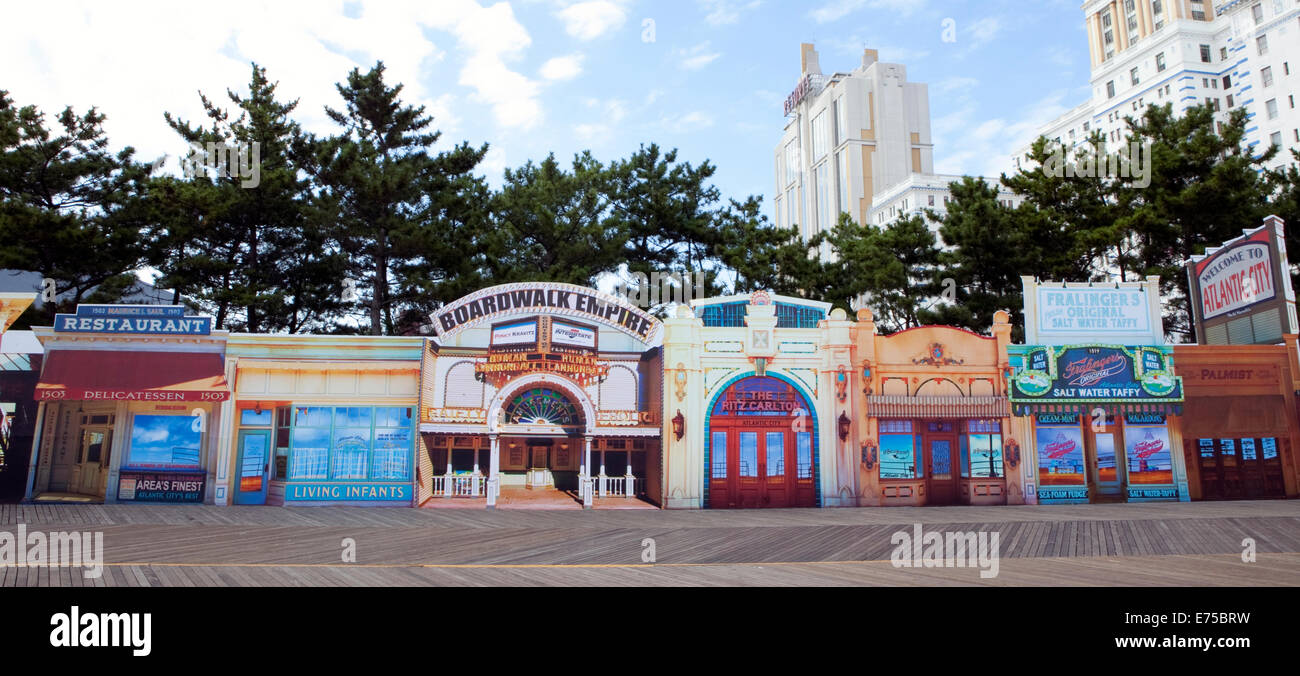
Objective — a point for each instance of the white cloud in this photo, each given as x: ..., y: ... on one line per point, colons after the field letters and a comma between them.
x: 982, y: 32
x: 562, y: 67
x: 686, y: 123
x: 722, y: 12
x: 696, y: 57
x: 305, y: 45
x: 594, y: 18
x: 966, y: 144
x: 838, y: 9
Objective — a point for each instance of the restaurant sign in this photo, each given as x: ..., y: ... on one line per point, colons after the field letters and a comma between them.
x: 136, y: 319
x: 1075, y: 375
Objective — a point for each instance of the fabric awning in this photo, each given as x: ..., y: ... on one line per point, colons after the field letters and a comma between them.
x: 898, y: 406
x: 111, y: 375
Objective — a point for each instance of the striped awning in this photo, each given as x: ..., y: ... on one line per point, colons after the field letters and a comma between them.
x: 899, y: 406
x: 1089, y: 408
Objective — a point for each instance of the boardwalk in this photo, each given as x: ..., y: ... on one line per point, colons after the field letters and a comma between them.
x: 1119, y: 544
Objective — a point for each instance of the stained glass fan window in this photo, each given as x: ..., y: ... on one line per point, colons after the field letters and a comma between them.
x: 541, y: 406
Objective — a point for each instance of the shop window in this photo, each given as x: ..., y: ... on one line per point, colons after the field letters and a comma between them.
x: 897, y: 450
x: 351, y: 443
x: 749, y: 454
x: 252, y: 418
x: 1060, y: 450
x: 1148, y: 453
x: 718, y: 453
x: 165, y: 442
x: 804, y: 457
x: 985, y: 456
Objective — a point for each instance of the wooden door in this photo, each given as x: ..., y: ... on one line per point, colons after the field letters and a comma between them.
x: 777, y: 486
x: 941, y: 471
x: 254, y: 467
x: 93, y: 459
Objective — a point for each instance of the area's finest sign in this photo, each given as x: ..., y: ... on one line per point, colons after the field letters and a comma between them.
x: 1099, y: 311
x: 546, y: 298
x: 158, y: 319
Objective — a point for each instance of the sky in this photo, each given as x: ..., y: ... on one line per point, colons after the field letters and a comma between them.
x: 534, y: 77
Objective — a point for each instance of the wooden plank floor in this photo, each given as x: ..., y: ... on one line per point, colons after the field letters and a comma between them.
x: 1142, y: 544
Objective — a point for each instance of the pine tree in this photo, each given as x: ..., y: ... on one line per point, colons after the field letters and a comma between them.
x: 405, y: 218
x: 69, y: 208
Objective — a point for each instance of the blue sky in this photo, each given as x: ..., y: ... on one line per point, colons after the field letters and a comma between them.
x: 531, y: 77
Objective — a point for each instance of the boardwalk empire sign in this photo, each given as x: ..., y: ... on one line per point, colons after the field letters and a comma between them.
x: 545, y: 298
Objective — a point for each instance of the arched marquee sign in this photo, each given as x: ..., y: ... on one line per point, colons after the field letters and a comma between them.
x: 577, y: 302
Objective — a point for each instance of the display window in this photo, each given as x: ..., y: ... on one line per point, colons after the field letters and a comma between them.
x: 171, y: 442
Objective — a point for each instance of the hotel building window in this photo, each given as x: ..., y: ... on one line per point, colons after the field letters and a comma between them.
x: 1108, y: 33
x: 1205, y: 54
x: 823, y: 196
x: 1227, y: 81
x: 1198, y: 10
x: 1160, y: 62
x: 1276, y: 139
x: 842, y: 166
x: 1110, y: 89
x: 1271, y: 107
x: 819, y: 136
x: 1261, y: 44
x: 1133, y: 76
x: 1266, y: 76
x: 1130, y: 11
x: 1258, y: 13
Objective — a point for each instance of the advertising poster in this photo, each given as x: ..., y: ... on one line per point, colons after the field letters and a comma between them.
x: 1060, y: 455
x: 160, y: 487
x: 572, y: 335
x: 1149, y: 460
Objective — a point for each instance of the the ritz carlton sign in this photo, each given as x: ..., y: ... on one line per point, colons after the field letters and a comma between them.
x: 495, y: 302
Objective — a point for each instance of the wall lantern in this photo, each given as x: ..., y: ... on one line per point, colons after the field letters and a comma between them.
x: 869, y: 454
x: 1013, y: 453
x: 844, y: 423
x: 679, y: 425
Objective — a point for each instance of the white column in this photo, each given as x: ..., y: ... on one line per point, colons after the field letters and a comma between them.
x: 629, y: 491
x: 586, y: 474
x: 603, y: 483
x: 447, y: 491
x: 34, y: 458
x: 473, y: 487
x: 494, y: 472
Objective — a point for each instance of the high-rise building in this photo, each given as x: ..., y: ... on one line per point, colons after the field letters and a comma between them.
x: 856, y: 142
x: 1238, y: 53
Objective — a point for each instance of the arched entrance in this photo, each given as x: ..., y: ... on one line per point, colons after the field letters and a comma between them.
x: 762, y: 447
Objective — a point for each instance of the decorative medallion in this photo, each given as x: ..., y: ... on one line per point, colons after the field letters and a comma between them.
x: 937, y: 357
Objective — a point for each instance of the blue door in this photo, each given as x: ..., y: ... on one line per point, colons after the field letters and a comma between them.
x: 254, y: 467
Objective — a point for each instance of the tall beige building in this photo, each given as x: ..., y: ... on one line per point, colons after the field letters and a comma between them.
x: 856, y: 142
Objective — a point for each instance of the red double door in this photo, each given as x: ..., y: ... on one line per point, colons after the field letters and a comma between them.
x: 756, y: 466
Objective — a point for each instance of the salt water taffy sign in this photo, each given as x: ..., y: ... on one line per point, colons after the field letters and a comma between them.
x: 139, y: 319
x: 1072, y: 377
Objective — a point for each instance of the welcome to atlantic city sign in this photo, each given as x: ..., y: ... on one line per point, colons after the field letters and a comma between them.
x: 546, y: 298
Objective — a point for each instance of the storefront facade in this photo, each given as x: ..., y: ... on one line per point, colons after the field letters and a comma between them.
x: 320, y: 420
x: 936, y: 417
x: 755, y: 389
x: 129, y: 404
x: 1240, y: 431
x: 20, y: 365
x: 542, y: 387
x: 1097, y: 395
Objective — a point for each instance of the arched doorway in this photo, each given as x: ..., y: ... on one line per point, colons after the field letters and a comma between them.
x: 762, y: 447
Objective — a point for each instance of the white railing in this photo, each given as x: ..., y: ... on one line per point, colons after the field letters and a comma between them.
x: 459, y: 486
x: 615, y: 486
